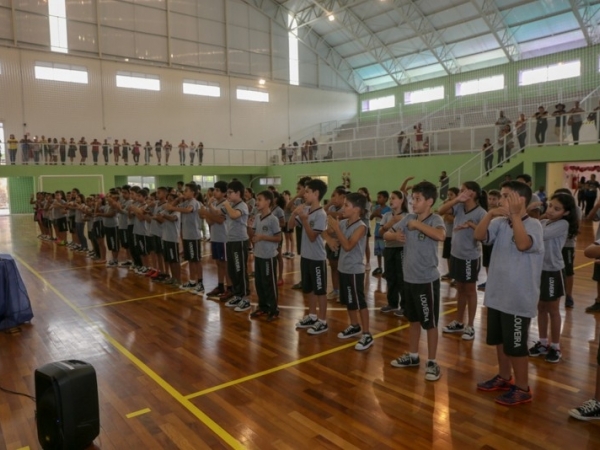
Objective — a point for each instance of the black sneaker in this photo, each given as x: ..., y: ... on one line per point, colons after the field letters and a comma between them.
x: 318, y: 328
x: 454, y: 327
x: 387, y: 309
x: 365, y: 342
x: 593, y: 308
x: 590, y: 410
x: 243, y: 305
x: 553, y: 355
x: 258, y: 313
x: 306, y: 322
x: 432, y: 371
x: 406, y: 361
x: 352, y: 330
x: 234, y: 302
x: 273, y: 316
x: 569, y: 303
x: 538, y: 349
x: 447, y: 276
x: 377, y: 271
x: 297, y: 285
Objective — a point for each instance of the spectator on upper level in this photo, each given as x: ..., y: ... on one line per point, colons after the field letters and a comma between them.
x: 444, y: 185
x: 488, y: 155
x: 314, y: 147
x: 576, y: 121
x: 595, y: 117
x: 400, y: 140
x: 521, y: 130
x: 502, y: 121
x: 283, y: 151
x: 541, y: 125
x: 560, y: 121
x: 419, y: 137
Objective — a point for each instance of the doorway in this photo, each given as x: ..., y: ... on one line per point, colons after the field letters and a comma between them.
x: 4, y: 199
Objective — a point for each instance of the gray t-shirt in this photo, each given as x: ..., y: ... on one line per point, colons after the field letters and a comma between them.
x: 513, y: 283
x: 555, y: 235
x: 139, y: 226
x: 464, y: 245
x: 170, y: 230
x: 352, y: 261
x: 190, y: 222
x: 109, y: 222
x: 420, y: 251
x: 59, y: 213
x: 384, y: 220
x: 237, y: 228
x: 218, y: 232
x: 317, y: 220
x: 123, y: 216
x: 155, y: 225
x: 269, y: 226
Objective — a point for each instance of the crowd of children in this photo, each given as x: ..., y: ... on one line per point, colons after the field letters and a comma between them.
x: 477, y: 228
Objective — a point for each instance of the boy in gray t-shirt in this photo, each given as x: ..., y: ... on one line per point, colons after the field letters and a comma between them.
x: 516, y: 261
x: 422, y: 231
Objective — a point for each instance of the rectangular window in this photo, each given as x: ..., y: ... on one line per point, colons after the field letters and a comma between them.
x: 204, y: 88
x: 424, y: 95
x: 205, y: 181
x: 560, y: 71
x: 480, y: 85
x: 379, y: 103
x: 143, y: 182
x: 254, y: 95
x: 275, y: 181
x: 138, y: 81
x: 294, y: 65
x: 57, y: 15
x: 61, y: 72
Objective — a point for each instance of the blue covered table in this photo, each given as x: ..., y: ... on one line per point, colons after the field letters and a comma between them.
x: 15, y: 307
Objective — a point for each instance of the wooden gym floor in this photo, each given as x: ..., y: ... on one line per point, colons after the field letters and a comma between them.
x: 177, y: 371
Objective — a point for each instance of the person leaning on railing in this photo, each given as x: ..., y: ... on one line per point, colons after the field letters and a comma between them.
x: 488, y: 158
x: 560, y: 121
x: 541, y: 125
x: 595, y: 117
x: 576, y: 121
x: 521, y: 130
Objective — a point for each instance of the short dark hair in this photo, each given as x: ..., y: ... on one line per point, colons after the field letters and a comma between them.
x: 520, y: 188
x: 221, y: 186
x: 192, y: 187
x: 427, y: 189
x: 236, y: 186
x: 302, y: 181
x: 525, y: 177
x: 358, y: 201
x: 494, y: 193
x: 161, y: 188
x: 317, y: 185
x: 384, y: 194
x: 267, y: 195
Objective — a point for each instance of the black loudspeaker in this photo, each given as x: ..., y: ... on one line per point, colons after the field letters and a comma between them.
x: 66, y: 397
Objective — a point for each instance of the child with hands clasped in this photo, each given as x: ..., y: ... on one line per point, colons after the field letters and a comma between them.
x: 516, y: 262
x: 560, y: 221
x: 351, y: 233
x: 421, y: 231
x: 265, y: 233
x: 465, y: 254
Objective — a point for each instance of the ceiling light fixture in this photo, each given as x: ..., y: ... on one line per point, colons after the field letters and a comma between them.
x: 331, y: 17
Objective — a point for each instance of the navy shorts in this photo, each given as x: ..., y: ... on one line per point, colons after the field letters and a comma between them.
x: 217, y: 250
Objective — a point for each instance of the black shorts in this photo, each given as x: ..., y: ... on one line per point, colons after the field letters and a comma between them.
x: 139, y: 240
x: 171, y: 251
x: 71, y: 224
x: 191, y: 250
x: 217, y: 250
x: 112, y: 242
x: 552, y: 286
x: 352, y: 290
x: 508, y: 330
x: 331, y: 255
x: 61, y: 224
x: 47, y: 222
x: 157, y: 244
x: 123, y: 237
x: 596, y: 275
x: 447, y: 248
x: 150, y: 245
x: 486, y: 253
x: 464, y: 270
x: 423, y: 303
x: 98, y: 229
x: 568, y: 254
x: 314, y: 276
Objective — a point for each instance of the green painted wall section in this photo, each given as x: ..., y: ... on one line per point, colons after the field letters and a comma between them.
x: 20, y: 190
x: 588, y: 79
x: 120, y: 180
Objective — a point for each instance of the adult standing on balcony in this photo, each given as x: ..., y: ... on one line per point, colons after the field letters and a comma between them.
x: 502, y: 122
x: 521, y: 130
x: 315, y: 148
x: 283, y: 151
x: 488, y: 155
x: 576, y: 121
x: 541, y: 125
x: 595, y: 117
x: 560, y: 121
x: 400, y: 141
x: 419, y: 137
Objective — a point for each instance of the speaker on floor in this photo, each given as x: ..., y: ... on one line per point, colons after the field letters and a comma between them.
x: 66, y: 396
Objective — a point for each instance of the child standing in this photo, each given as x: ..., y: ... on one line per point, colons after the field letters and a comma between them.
x: 351, y: 234
x: 393, y: 255
x: 486, y: 250
x: 517, y: 259
x: 313, y: 270
x: 468, y: 208
x: 560, y: 222
x: 365, y: 218
x: 266, y: 235
x: 422, y: 230
x: 334, y: 209
x: 381, y: 209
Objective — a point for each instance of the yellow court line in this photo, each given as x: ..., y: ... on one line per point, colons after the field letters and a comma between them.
x: 69, y: 268
x: 119, y: 302
x: 297, y: 362
x: 24, y: 448
x: 584, y: 265
x: 137, y: 413
x: 211, y: 424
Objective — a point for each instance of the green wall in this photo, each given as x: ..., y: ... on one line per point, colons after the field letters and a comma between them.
x: 20, y: 190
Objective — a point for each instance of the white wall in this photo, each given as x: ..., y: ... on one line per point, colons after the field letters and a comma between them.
x: 100, y: 109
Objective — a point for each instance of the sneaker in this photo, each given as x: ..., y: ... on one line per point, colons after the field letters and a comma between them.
x: 593, y: 308
x: 432, y: 371
x: 125, y: 264
x: 454, y: 327
x: 377, y: 271
x: 188, y: 286
x: 553, y: 355
x: 199, y: 289
x: 215, y: 293
x: 481, y: 287
x: 446, y: 277
x: 406, y: 361
x: 273, y: 316
x: 538, y: 349
x: 496, y: 384
x: 291, y: 254
x: 365, y: 342
x: 333, y: 295
x: 399, y: 312
x: 352, y: 330
x: 590, y: 410
x: 258, y: 313
x: 225, y: 296
x: 152, y: 273
x: 173, y: 282
x: 515, y: 396
x: 306, y: 322
x: 469, y: 333
x: 234, y: 302
x: 387, y: 309
x: 569, y: 303
x: 297, y: 285
x: 244, y: 305
x: 112, y: 263
x: 318, y: 328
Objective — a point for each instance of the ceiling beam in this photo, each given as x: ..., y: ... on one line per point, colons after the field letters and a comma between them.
x: 494, y: 19
x: 587, y: 21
